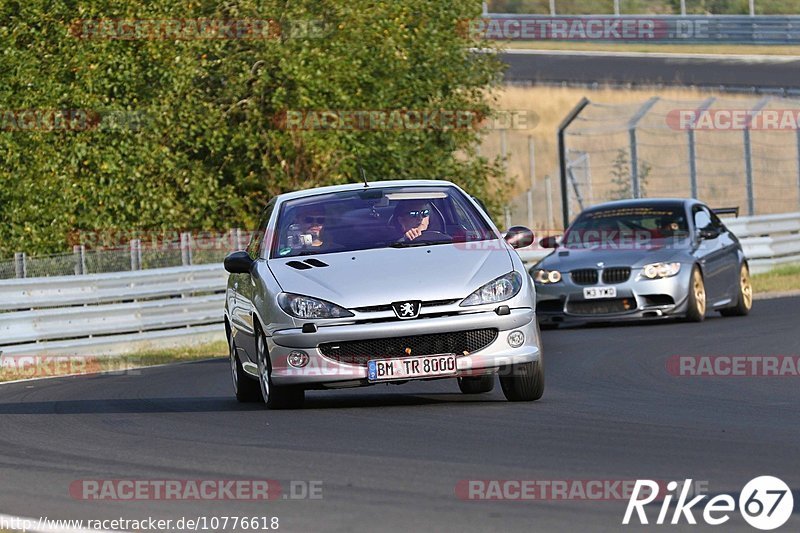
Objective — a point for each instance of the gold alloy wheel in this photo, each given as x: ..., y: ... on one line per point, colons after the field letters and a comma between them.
x: 746, y: 288
x: 699, y: 292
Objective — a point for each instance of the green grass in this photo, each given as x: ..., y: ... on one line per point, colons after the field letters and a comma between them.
x: 781, y: 279
x: 48, y: 366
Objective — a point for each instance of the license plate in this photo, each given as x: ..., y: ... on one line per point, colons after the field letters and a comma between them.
x: 592, y: 293
x: 411, y: 367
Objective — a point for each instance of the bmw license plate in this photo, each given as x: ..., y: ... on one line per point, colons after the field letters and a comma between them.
x: 411, y: 367
x: 593, y: 293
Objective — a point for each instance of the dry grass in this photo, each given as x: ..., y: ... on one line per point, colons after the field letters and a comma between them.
x: 781, y: 279
x: 25, y: 367
x: 727, y: 49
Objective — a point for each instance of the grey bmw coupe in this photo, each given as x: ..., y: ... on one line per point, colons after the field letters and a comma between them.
x: 642, y: 259
x: 376, y: 283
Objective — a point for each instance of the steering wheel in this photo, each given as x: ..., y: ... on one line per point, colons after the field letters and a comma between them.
x: 429, y: 236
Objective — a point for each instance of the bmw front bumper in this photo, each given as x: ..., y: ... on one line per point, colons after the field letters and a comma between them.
x: 637, y: 298
x: 325, y: 372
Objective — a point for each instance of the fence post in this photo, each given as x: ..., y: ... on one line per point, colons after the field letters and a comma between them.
x: 798, y: 168
x: 186, y: 249
x: 683, y: 8
x: 748, y: 156
x: 507, y: 216
x: 548, y: 191
x: 136, y: 254
x: 616, y: 7
x: 503, y: 147
x: 532, y: 172
x: 562, y: 156
x: 632, y: 125
x: 553, y: 7
x: 79, y: 250
x: 693, y: 147
x: 20, y: 265
x: 752, y: 8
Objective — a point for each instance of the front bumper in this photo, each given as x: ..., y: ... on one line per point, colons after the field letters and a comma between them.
x: 324, y: 372
x: 637, y: 299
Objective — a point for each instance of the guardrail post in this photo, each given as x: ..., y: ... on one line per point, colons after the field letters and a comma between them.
x: 748, y: 156
x: 20, y: 265
x: 632, y: 125
x: 79, y: 251
x: 186, y: 249
x: 136, y: 254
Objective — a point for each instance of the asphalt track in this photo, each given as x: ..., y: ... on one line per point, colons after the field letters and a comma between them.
x: 391, y: 457
x: 761, y: 73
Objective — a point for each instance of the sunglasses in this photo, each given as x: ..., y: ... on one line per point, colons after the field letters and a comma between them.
x: 422, y: 213
x: 314, y: 220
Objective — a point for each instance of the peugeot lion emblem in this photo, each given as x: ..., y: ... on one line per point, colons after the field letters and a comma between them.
x: 405, y: 310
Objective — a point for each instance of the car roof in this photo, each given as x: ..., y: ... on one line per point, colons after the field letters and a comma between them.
x: 360, y: 186
x: 643, y: 202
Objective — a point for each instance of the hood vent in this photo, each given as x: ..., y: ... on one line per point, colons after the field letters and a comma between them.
x: 315, y: 262
x: 298, y: 265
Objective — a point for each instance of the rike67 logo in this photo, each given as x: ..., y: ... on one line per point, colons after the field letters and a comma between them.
x: 765, y: 503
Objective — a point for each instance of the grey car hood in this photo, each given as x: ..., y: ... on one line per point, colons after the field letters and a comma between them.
x: 376, y: 277
x: 568, y: 259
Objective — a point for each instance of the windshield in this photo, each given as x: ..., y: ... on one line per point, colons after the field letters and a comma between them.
x: 377, y: 218
x: 622, y: 227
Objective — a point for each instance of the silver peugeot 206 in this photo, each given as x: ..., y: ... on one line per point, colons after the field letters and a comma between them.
x: 643, y: 259
x: 383, y: 282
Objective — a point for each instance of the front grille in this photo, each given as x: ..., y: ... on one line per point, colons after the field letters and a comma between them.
x: 457, y: 342
x: 388, y: 307
x: 585, y: 276
x: 549, y: 306
x: 616, y: 275
x: 601, y: 307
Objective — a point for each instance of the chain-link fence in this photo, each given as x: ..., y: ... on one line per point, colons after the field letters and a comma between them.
x: 727, y: 152
x: 136, y: 254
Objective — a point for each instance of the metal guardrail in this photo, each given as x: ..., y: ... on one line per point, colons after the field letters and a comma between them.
x: 673, y: 29
x: 110, y: 313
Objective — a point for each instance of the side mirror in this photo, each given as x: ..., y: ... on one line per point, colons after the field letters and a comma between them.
x: 238, y: 263
x: 549, y: 242
x: 519, y: 237
x: 708, y: 233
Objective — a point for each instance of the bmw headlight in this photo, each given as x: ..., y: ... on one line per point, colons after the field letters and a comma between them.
x: 300, y: 306
x: 546, y: 276
x: 660, y: 270
x: 498, y: 290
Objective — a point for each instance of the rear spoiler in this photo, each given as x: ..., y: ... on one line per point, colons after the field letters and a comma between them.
x: 727, y: 211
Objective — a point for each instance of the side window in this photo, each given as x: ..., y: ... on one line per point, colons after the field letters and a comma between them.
x: 702, y: 218
x: 257, y: 240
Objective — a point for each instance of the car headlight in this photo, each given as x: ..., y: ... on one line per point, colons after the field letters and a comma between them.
x: 300, y: 306
x: 661, y: 270
x: 546, y: 276
x: 497, y: 290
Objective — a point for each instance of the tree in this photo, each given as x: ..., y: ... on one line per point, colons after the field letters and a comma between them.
x: 208, y: 148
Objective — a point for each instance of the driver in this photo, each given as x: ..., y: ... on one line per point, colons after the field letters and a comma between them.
x: 308, y: 228
x: 412, y: 217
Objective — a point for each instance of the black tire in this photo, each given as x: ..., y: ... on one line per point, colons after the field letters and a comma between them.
x: 696, y: 308
x: 476, y: 384
x: 245, y: 387
x: 523, y: 382
x: 744, y: 300
x: 274, y: 397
